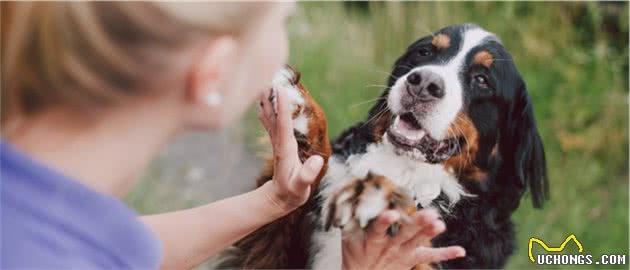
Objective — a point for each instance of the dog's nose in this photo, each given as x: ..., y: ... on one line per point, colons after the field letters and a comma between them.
x: 413, y: 78
x: 426, y: 85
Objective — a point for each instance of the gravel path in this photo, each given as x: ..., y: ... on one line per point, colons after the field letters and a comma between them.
x: 196, y: 169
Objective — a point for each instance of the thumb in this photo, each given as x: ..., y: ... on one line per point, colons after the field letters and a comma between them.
x: 308, y: 173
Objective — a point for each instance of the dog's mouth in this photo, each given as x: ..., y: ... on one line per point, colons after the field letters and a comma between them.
x: 408, y: 136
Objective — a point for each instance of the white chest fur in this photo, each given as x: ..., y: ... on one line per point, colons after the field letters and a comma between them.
x: 424, y: 181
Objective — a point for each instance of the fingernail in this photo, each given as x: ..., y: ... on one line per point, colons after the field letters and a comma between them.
x: 439, y: 226
x: 433, y: 212
x: 391, y: 216
x: 461, y: 252
x: 315, y: 163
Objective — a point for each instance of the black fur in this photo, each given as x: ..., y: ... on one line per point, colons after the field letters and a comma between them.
x: 504, y: 118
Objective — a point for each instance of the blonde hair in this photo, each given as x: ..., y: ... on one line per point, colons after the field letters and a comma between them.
x: 87, y: 55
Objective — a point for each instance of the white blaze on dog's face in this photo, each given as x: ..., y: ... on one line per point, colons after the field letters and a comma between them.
x: 441, y: 113
x: 428, y: 97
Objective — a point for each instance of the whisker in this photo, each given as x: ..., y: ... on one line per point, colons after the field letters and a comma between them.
x: 389, y: 74
x: 380, y: 71
x: 505, y: 59
x: 461, y: 161
x: 408, y: 67
x: 366, y: 102
x: 376, y: 85
x: 465, y: 157
x: 375, y: 116
x: 427, y: 30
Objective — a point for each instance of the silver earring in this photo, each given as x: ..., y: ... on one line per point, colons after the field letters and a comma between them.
x: 214, y: 98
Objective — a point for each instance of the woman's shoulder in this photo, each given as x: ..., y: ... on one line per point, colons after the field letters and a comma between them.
x: 49, y: 220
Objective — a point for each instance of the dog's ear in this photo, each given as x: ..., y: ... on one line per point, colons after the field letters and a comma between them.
x: 522, y: 148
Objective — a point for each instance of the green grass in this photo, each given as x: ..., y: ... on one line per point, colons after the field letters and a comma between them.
x: 573, y: 57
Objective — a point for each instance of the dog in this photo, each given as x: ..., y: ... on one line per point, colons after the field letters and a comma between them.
x: 454, y: 130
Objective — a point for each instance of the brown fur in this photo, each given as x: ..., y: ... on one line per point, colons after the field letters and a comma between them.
x: 397, y: 199
x: 463, y: 164
x: 483, y: 58
x: 381, y: 123
x: 271, y: 246
x: 441, y: 41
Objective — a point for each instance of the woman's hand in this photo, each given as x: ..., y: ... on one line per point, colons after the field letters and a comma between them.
x: 408, y: 248
x: 291, y: 183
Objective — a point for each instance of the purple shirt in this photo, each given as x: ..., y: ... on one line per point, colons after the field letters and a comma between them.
x: 50, y: 221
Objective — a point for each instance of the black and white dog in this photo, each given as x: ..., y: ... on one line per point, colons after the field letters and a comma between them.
x: 454, y: 130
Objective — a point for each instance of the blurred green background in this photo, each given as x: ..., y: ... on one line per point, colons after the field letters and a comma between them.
x: 574, y: 59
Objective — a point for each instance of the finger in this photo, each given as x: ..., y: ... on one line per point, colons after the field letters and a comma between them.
x: 267, y: 108
x: 263, y: 119
x: 284, y: 124
x: 307, y: 174
x: 426, y: 255
x: 410, y: 235
x: 377, y: 238
x: 431, y: 226
x: 418, y: 222
x: 424, y: 236
x: 353, y: 242
x: 378, y: 230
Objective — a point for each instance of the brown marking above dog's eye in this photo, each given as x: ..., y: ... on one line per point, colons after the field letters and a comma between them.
x: 441, y: 41
x: 483, y: 58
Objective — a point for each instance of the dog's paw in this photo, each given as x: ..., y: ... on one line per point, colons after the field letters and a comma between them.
x: 356, y: 204
x: 309, y: 120
x: 289, y: 79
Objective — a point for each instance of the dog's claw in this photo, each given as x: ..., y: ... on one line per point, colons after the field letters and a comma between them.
x: 393, y: 230
x: 357, y: 204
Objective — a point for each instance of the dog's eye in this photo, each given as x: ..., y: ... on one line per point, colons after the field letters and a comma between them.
x: 481, y: 80
x: 420, y: 55
x: 424, y: 52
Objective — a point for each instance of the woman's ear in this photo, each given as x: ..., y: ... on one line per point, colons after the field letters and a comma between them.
x: 523, y: 151
x: 212, y: 65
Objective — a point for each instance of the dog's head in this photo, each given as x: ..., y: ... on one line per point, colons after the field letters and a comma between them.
x: 455, y: 97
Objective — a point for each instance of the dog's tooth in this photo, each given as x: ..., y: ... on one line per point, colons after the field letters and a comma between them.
x: 395, y: 125
x: 363, y: 222
x: 419, y: 135
x: 416, y: 153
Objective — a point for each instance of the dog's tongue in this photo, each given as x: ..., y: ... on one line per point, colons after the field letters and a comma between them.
x: 405, y: 129
x: 433, y: 151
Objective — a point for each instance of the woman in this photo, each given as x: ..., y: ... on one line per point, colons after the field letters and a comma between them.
x: 92, y: 91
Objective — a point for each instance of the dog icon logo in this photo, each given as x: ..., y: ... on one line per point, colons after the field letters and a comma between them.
x: 553, y: 249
